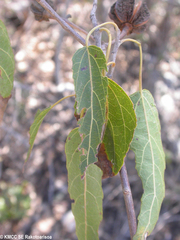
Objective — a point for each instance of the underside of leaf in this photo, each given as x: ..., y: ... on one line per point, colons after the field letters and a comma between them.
x: 150, y: 161
x: 86, y: 193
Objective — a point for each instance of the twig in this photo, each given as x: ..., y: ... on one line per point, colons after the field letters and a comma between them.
x: 57, y: 74
x: 97, y: 33
x: 77, y: 28
x: 113, y: 54
x: 128, y: 201
x: 61, y: 21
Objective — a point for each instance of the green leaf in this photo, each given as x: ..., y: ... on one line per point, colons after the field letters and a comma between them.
x: 91, y: 92
x: 150, y: 161
x: 40, y: 115
x: 120, y: 126
x: 86, y: 193
x: 7, y: 65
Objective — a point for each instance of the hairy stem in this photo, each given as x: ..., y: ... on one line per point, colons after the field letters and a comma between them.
x: 128, y: 201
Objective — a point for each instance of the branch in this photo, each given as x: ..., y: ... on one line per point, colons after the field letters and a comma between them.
x: 61, y: 21
x: 74, y: 26
x: 128, y: 200
x: 113, y: 54
x: 97, y: 33
x: 57, y: 74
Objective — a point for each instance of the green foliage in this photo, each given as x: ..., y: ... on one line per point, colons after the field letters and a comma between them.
x: 86, y: 193
x: 120, y: 125
x: 108, y: 120
x: 7, y: 65
x: 13, y: 202
x: 150, y: 161
x: 91, y: 92
x: 40, y: 115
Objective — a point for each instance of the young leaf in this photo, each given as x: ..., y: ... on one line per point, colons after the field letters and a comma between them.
x: 150, y: 161
x: 91, y: 92
x: 120, y: 126
x: 7, y: 65
x: 86, y: 193
x: 40, y: 115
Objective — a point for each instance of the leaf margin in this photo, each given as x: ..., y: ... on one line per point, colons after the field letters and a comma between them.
x: 141, y: 230
x: 92, y: 173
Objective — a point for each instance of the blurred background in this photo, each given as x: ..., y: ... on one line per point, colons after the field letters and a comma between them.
x: 36, y: 201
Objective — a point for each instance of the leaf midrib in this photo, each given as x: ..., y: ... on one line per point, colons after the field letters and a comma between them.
x: 141, y: 93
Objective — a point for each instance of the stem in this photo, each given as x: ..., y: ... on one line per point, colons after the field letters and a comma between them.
x: 128, y: 201
x: 109, y: 42
x: 60, y: 100
x: 61, y: 21
x: 101, y: 25
x: 109, y: 35
x: 124, y: 32
x: 57, y: 73
x: 97, y: 34
x: 114, y: 53
x: 141, y: 60
x: 111, y: 63
x: 77, y: 28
